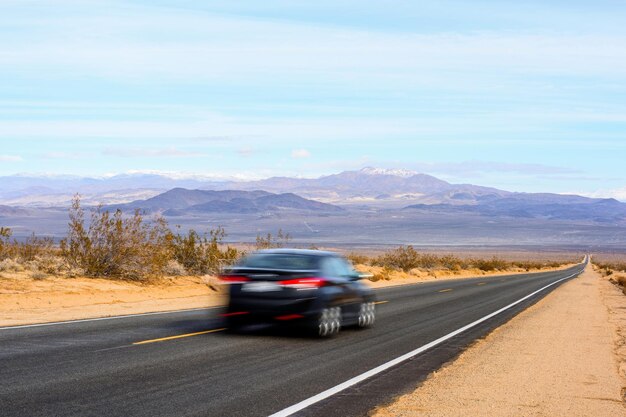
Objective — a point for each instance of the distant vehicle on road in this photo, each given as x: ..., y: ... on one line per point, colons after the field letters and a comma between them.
x: 316, y: 290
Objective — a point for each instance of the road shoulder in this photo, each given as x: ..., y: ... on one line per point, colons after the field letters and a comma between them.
x: 556, y: 358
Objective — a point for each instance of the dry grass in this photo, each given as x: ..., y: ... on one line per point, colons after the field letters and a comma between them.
x: 407, y: 258
x: 615, y: 271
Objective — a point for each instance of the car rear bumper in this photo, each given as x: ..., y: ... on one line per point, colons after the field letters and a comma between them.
x: 273, y: 310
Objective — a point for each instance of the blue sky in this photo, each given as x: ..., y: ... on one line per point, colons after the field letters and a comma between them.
x: 526, y: 97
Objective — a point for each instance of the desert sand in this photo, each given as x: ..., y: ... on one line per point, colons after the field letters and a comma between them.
x: 27, y: 301
x: 557, y: 358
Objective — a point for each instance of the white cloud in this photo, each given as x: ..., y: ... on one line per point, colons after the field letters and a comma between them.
x: 300, y: 153
x: 11, y: 158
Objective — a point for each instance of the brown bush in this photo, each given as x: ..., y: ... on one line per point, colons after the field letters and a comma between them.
x: 610, y: 267
x: 404, y: 258
x: 116, y: 246
x: 453, y: 263
x: 5, y: 246
x: 203, y: 254
x: 492, y: 264
x: 10, y: 265
x: 34, y: 247
x: 269, y: 241
x: 358, y: 259
x: 383, y: 275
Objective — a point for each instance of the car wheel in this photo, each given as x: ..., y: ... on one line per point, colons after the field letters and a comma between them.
x: 367, y: 315
x: 329, y: 322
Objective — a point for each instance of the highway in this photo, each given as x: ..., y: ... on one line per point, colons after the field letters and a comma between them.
x: 185, y: 364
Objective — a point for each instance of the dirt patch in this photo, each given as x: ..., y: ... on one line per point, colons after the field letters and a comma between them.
x: 557, y: 358
x: 27, y: 301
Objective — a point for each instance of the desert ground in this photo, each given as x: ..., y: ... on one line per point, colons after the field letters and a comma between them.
x: 564, y: 356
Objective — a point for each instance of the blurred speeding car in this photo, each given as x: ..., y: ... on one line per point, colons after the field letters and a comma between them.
x: 316, y: 290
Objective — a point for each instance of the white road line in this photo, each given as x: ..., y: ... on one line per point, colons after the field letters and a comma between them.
x: 359, y: 378
x: 126, y: 316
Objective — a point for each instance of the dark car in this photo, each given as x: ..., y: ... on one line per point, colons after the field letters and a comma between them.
x: 315, y: 290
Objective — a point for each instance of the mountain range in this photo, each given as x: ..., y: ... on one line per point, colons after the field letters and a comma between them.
x: 390, y: 193
x: 180, y: 201
x: 372, y: 186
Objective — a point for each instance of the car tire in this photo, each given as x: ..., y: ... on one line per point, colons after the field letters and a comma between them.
x: 329, y: 322
x: 367, y: 315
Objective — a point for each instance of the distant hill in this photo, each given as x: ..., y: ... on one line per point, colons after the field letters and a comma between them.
x: 546, y: 206
x: 374, y: 186
x: 368, y: 188
x: 181, y: 201
x: 370, y: 206
x: 12, y: 211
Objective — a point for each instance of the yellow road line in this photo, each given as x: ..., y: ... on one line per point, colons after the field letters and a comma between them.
x: 481, y: 283
x: 380, y: 302
x: 446, y: 290
x: 180, y: 336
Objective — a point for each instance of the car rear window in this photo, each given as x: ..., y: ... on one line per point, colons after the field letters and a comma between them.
x: 279, y: 261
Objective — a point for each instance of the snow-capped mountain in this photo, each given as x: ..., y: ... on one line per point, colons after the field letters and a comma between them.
x: 404, y: 173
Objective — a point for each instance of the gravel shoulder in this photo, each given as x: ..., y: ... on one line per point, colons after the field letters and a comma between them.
x: 561, y: 357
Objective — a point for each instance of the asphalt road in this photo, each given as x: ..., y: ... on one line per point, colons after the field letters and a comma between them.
x: 132, y: 366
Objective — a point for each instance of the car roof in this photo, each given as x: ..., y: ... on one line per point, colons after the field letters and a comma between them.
x: 293, y: 251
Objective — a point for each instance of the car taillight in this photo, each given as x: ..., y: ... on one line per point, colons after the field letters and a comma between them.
x: 233, y: 279
x: 301, y: 283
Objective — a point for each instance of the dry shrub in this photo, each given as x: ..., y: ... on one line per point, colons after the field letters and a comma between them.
x: 174, y: 269
x: 453, y: 263
x: 404, y: 258
x: 116, y: 246
x: 383, y: 275
x: 610, y: 267
x: 6, y: 249
x: 127, y: 247
x: 34, y: 247
x: 35, y: 252
x: 358, y: 259
x: 203, y: 254
x: 10, y: 265
x: 50, y: 264
x: 269, y: 241
x: 493, y: 264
